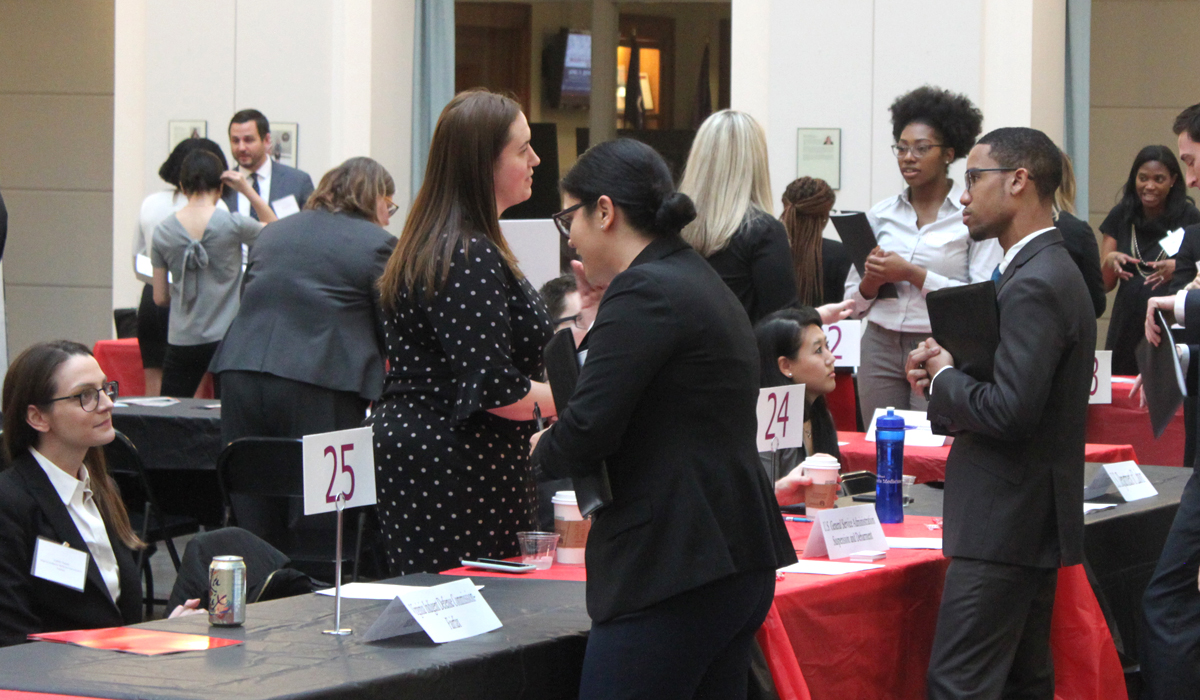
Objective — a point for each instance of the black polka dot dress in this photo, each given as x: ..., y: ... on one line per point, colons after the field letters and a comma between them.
x: 454, y: 481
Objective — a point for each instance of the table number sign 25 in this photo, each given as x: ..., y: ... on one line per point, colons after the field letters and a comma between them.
x: 780, y: 417
x: 341, y: 463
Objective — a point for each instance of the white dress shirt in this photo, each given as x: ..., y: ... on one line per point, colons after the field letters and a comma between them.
x: 264, y: 185
x: 943, y: 247
x: 77, y: 497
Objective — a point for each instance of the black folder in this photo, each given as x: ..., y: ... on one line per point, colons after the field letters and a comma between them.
x: 594, y: 491
x: 856, y: 234
x: 1162, y: 377
x: 966, y: 322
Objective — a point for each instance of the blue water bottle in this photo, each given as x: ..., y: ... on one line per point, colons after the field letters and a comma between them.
x: 889, y: 467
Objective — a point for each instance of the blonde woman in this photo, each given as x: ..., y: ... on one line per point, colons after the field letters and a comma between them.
x: 735, y: 228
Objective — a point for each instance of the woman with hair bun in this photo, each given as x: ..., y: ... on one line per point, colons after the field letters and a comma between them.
x: 821, y: 263
x: 197, y: 259
x: 923, y: 243
x: 681, y: 564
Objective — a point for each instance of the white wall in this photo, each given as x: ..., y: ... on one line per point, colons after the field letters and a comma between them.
x: 813, y: 63
x: 341, y: 69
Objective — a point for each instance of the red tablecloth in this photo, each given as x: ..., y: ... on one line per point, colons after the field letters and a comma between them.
x: 122, y: 362
x: 1123, y: 421
x: 869, y: 635
x: 929, y: 463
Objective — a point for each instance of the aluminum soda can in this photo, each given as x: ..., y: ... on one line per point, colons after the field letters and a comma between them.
x: 227, y: 591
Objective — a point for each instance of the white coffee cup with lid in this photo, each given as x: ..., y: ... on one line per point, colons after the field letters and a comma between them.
x: 571, y: 527
x: 823, y: 469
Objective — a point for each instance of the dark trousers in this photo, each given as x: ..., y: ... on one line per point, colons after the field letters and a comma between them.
x: 183, y: 368
x: 1170, y: 645
x: 263, y: 405
x: 693, y: 645
x: 993, y: 633
x: 257, y: 404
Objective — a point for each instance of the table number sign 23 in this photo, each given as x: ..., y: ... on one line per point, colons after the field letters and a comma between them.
x: 780, y: 417
x: 340, y: 463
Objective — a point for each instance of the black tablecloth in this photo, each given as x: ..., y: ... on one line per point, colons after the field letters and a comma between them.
x: 1122, y: 544
x: 179, y: 445
x: 183, y: 436
x: 538, y: 653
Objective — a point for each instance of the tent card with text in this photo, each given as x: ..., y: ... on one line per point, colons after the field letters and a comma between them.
x: 447, y: 613
x: 780, y: 417
x: 341, y: 462
x: 1131, y: 482
x: 1101, y: 389
x: 844, y: 338
x: 840, y: 532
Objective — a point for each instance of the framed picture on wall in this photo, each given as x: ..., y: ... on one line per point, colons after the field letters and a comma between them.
x: 183, y: 129
x: 819, y: 154
x: 285, y: 142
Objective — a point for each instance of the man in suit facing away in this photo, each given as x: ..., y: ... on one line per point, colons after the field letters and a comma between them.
x: 250, y: 142
x: 1170, y: 639
x: 1014, y: 478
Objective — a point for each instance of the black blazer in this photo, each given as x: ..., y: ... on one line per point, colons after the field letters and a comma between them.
x: 285, y: 180
x: 1081, y: 244
x: 666, y: 397
x: 309, y: 307
x: 1014, y: 478
x: 757, y: 266
x: 29, y: 508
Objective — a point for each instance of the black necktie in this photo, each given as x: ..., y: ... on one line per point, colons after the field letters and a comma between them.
x: 254, y: 184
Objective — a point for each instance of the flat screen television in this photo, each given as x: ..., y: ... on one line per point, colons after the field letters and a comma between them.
x: 567, y: 70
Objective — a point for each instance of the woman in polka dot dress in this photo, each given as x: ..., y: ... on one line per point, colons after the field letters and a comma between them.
x: 464, y: 333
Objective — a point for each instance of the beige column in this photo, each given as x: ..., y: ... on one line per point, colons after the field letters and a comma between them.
x: 602, y: 121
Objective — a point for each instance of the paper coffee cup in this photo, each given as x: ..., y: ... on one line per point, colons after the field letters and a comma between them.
x: 823, y: 469
x: 571, y: 528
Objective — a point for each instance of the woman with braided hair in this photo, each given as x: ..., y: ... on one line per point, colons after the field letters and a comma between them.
x: 821, y: 263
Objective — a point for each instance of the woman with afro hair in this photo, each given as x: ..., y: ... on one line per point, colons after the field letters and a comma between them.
x: 923, y: 244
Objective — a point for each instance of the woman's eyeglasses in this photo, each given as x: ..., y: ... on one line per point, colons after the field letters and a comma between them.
x: 392, y: 206
x: 919, y: 150
x: 89, y: 398
x: 563, y: 220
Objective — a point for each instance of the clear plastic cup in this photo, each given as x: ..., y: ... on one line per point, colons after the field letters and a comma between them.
x: 538, y: 548
x: 908, y: 481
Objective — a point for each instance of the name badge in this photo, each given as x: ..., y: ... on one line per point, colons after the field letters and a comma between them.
x: 286, y: 206
x: 60, y: 564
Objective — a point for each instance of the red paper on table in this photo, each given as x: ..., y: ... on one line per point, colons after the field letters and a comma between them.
x: 28, y: 695
x: 134, y: 640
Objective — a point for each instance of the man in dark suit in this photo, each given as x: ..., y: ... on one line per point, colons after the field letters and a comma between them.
x: 1170, y: 642
x: 1014, y: 478
x: 285, y: 188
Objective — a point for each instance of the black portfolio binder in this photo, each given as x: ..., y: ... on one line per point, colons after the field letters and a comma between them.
x: 966, y: 322
x: 856, y: 234
x: 1162, y: 377
x: 562, y: 371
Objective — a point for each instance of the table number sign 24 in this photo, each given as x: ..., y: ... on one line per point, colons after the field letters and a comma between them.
x: 780, y: 417
x: 340, y: 463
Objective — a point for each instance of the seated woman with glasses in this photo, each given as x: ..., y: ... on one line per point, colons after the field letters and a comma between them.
x: 923, y: 244
x: 57, y: 500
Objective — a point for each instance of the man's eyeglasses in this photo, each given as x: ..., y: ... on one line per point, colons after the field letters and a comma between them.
x: 972, y: 175
x: 919, y: 150
x: 89, y: 398
x: 563, y: 221
x: 576, y: 321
